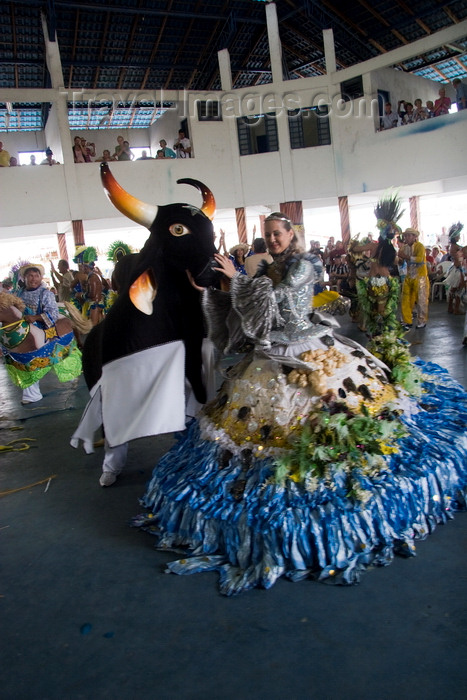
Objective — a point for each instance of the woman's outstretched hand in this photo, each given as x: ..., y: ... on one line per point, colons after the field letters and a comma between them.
x: 226, y: 266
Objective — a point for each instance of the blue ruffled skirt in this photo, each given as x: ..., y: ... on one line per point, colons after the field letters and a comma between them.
x: 227, y: 514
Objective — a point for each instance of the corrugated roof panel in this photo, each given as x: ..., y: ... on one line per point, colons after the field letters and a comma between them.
x: 110, y: 43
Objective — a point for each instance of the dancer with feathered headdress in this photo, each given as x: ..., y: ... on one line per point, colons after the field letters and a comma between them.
x: 378, y: 293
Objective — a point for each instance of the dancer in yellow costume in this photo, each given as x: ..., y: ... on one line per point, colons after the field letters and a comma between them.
x: 416, y: 285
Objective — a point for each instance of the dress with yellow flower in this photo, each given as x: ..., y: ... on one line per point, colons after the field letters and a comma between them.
x: 379, y: 300
x: 317, y: 458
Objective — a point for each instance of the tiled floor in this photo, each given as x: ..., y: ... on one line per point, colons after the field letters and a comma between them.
x: 87, y: 611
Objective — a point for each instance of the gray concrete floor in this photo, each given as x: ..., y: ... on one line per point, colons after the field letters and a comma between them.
x: 87, y: 611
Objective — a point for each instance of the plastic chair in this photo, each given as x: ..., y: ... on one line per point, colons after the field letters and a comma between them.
x: 434, y: 287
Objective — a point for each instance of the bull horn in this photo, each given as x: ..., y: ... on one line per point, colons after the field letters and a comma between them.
x: 131, y: 207
x: 209, y: 203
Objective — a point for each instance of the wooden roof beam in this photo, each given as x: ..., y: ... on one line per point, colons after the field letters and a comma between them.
x: 101, y: 52
x: 13, y: 34
x: 155, y: 49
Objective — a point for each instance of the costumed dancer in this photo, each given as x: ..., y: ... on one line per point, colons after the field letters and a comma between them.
x: 416, y: 285
x: 359, y: 269
x: 317, y: 458
x: 34, y: 338
x: 379, y: 292
x: 147, y: 364
x: 455, y: 281
x: 116, y: 252
x: 89, y: 287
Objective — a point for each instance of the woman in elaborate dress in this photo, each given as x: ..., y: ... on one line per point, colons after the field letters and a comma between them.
x: 317, y: 458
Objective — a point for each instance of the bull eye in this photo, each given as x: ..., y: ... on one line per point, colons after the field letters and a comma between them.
x: 179, y: 230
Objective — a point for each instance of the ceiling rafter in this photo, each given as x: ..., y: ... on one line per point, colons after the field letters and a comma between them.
x: 73, y: 49
x: 105, y: 32
x: 244, y: 66
x: 314, y: 44
x: 451, y: 15
x: 179, y: 52
x: 155, y: 49
x: 134, y: 26
x: 410, y: 12
x: 15, y: 46
x: 202, y: 55
x: 383, y: 21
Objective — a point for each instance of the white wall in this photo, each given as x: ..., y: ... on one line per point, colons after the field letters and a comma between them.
x: 409, y: 87
x: 16, y: 142
x: 165, y: 128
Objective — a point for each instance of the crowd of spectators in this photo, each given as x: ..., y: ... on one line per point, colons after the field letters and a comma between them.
x: 7, y: 161
x: 409, y: 113
x: 442, y: 265
x: 85, y: 152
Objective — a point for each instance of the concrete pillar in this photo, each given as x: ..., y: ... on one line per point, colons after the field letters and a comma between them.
x: 414, y: 203
x: 241, y: 225
x: 52, y: 55
x: 225, y: 69
x: 78, y: 232
x: 329, y: 51
x: 345, y: 222
x: 62, y: 249
x: 275, y: 46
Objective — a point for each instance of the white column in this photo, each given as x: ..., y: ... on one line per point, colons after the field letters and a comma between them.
x: 329, y: 51
x: 52, y: 53
x: 225, y: 69
x: 275, y: 46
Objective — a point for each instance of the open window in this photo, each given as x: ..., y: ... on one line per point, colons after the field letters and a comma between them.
x: 257, y: 134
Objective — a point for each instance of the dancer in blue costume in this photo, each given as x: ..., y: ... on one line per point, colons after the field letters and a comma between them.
x: 317, y: 458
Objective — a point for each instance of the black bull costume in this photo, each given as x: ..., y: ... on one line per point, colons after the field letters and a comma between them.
x: 136, y: 360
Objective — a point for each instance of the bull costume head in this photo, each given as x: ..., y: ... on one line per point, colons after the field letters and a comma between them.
x: 156, y: 301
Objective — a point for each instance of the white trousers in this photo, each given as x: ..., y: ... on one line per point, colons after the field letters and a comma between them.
x: 115, y: 458
x: 32, y: 393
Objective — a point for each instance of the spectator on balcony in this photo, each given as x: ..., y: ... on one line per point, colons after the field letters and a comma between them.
x: 389, y: 119
x: 419, y: 113
x: 32, y: 159
x: 89, y: 150
x: 123, y: 151
x: 105, y: 157
x: 79, y: 155
x: 144, y: 156
x: 13, y: 162
x: 461, y: 93
x: 4, y: 157
x: 442, y: 104
x: 49, y: 159
x: 405, y: 112
x: 430, y: 108
x: 182, y: 145
x: 168, y: 153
